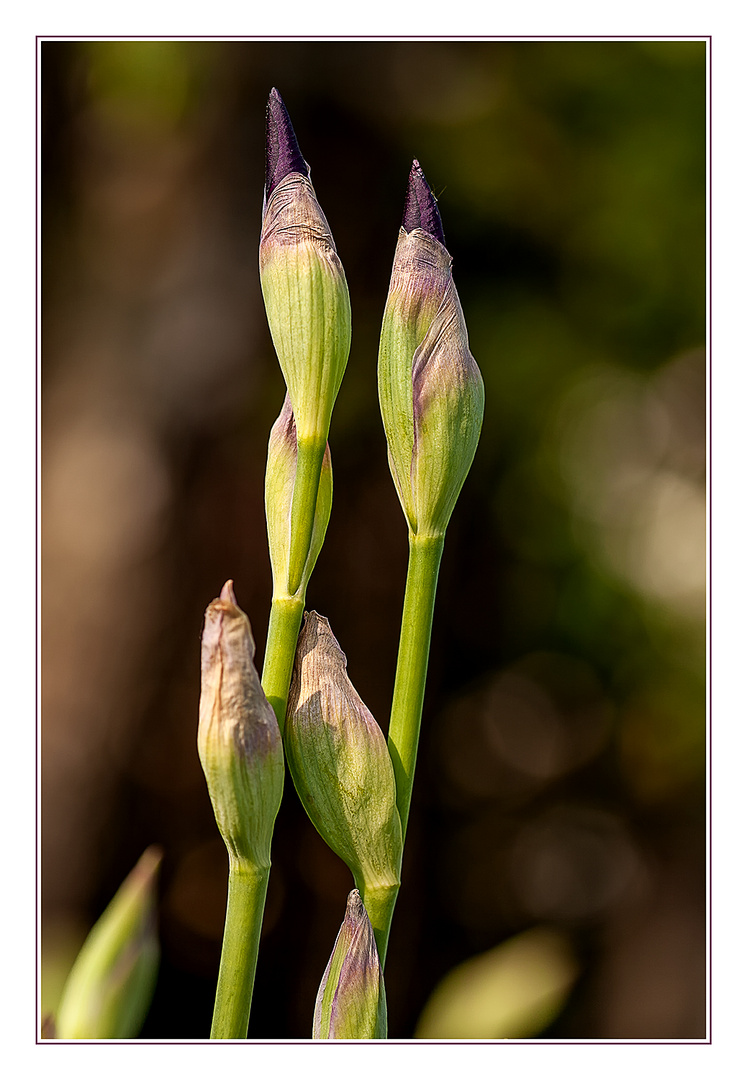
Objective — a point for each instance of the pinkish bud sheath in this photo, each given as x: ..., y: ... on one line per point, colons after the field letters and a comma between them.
x: 351, y: 1003
x: 238, y: 737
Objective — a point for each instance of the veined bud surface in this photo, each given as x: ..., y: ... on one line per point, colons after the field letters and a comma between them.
x: 351, y: 1002
x: 238, y: 739
x: 110, y: 986
x: 303, y: 282
x: 339, y: 761
x: 282, y: 456
x: 430, y: 388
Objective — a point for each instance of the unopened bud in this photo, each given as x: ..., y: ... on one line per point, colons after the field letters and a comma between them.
x: 108, y: 992
x: 430, y: 388
x: 282, y: 457
x: 339, y: 761
x: 238, y: 738
x: 303, y: 282
x: 351, y: 1003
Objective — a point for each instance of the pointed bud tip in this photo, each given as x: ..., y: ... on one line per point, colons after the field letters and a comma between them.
x: 228, y: 594
x: 143, y: 875
x: 282, y: 153
x: 421, y: 207
x: 151, y: 859
x: 316, y: 633
x: 354, y: 903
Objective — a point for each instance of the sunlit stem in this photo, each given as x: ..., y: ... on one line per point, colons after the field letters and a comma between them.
x: 303, y: 508
x: 247, y: 889
x: 409, y: 693
x: 412, y: 664
x: 379, y: 903
x: 286, y: 614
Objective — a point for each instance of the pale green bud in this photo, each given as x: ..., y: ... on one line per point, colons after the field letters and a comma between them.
x: 238, y: 738
x: 109, y: 989
x: 282, y: 456
x: 430, y: 388
x: 351, y: 1003
x: 303, y: 282
x: 339, y: 761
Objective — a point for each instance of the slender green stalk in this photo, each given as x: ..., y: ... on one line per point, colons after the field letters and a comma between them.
x: 379, y: 905
x: 247, y: 889
x: 407, y: 704
x: 282, y: 634
x: 303, y: 509
x: 412, y: 664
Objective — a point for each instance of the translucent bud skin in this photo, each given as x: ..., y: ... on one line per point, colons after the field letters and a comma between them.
x: 431, y: 391
x: 303, y: 282
x: 282, y: 455
x: 108, y: 992
x: 351, y: 1002
x: 238, y: 739
x: 338, y: 758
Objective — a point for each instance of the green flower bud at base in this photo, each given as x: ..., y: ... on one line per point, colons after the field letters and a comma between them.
x: 238, y: 740
x: 430, y: 388
x: 303, y: 282
x: 108, y: 992
x: 280, y: 477
x: 351, y: 1003
x: 338, y: 758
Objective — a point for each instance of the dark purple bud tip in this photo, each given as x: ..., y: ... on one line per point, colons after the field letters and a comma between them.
x: 421, y: 208
x: 282, y: 155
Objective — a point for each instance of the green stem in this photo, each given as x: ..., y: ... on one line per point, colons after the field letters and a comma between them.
x: 379, y: 903
x: 412, y: 664
x: 286, y: 613
x: 309, y: 460
x: 407, y: 705
x: 247, y: 888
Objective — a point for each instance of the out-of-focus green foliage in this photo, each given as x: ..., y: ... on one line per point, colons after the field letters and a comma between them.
x: 510, y: 992
x: 110, y: 986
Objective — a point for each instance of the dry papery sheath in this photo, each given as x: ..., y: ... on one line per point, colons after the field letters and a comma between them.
x: 239, y: 739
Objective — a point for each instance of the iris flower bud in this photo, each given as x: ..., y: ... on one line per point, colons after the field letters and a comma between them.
x: 303, y: 282
x: 351, y: 1003
x: 282, y: 456
x: 238, y: 738
x: 430, y: 388
x: 110, y: 986
x: 338, y: 758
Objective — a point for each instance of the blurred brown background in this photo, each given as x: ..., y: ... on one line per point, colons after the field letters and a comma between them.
x: 561, y: 773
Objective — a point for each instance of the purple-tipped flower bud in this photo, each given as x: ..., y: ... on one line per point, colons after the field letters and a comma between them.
x: 282, y: 152
x: 338, y: 758
x: 282, y: 457
x: 421, y: 208
x: 430, y: 388
x: 108, y: 992
x: 238, y: 739
x: 303, y: 282
x: 351, y: 1003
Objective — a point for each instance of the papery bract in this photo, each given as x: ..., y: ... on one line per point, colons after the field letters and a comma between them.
x: 238, y: 740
